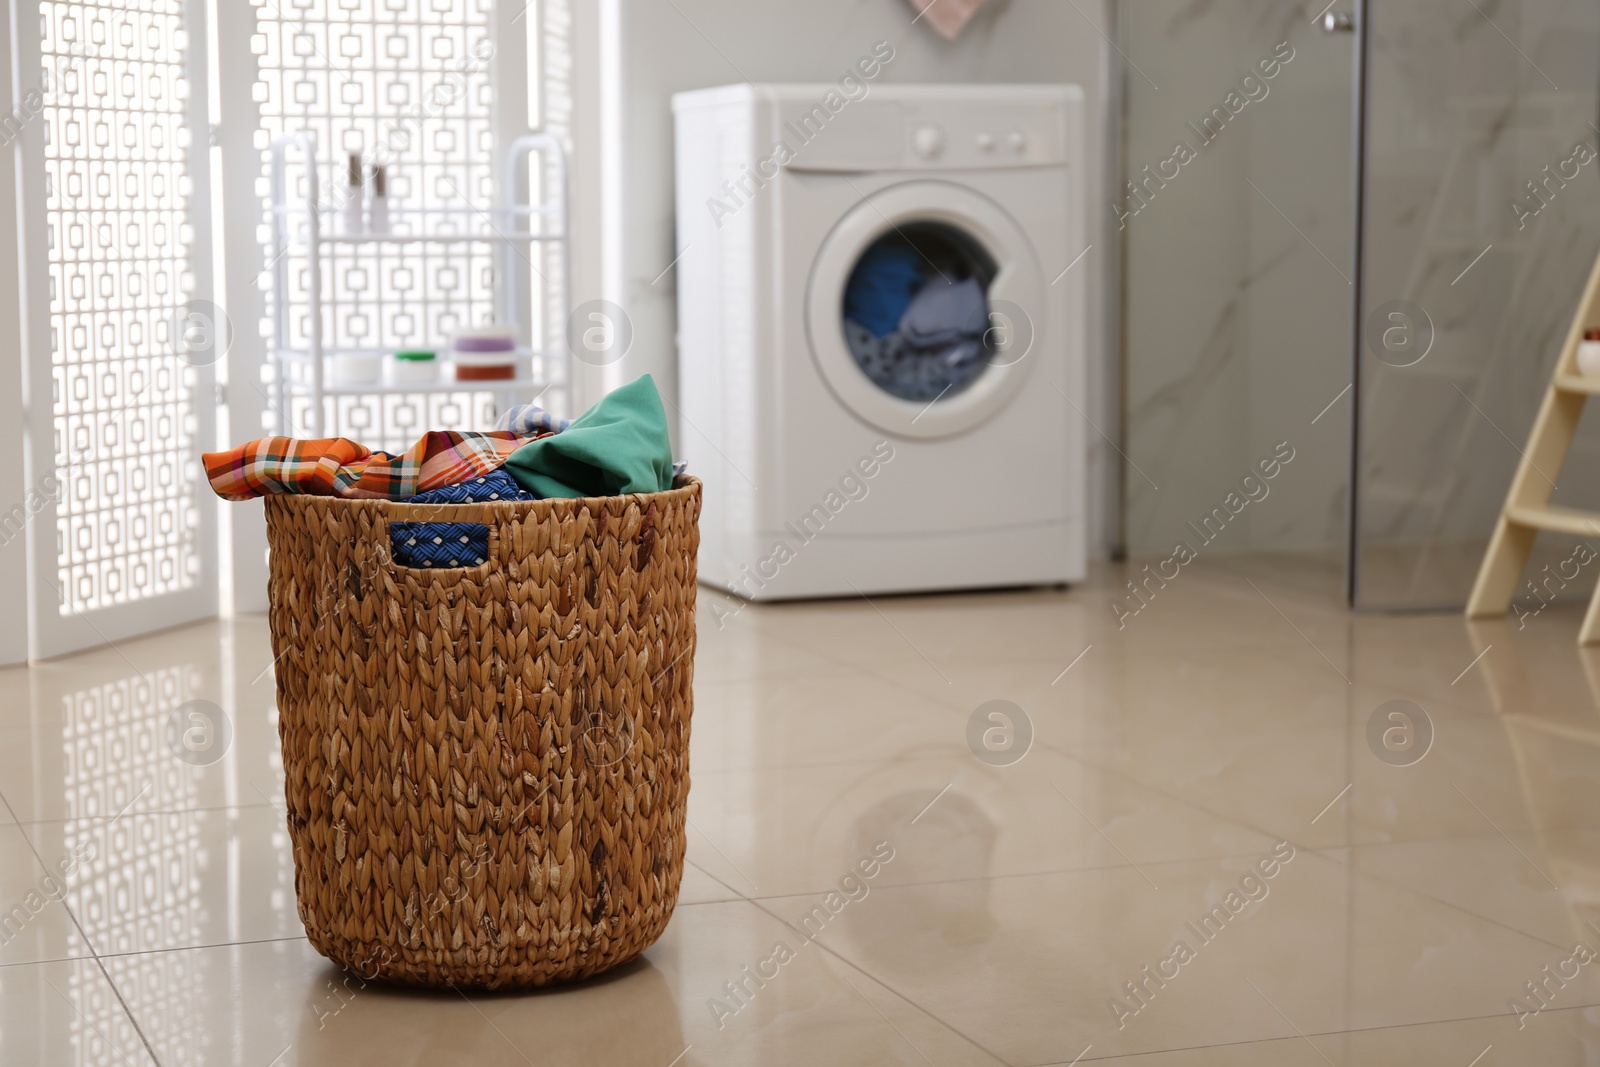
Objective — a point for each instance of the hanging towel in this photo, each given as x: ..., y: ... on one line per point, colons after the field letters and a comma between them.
x: 337, y: 466
x: 880, y: 287
x: 947, y: 17
x: 618, y: 446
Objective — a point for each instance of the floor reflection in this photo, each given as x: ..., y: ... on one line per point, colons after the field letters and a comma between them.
x: 1019, y: 899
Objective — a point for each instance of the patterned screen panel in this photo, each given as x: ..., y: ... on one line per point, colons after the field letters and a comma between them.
x: 119, y: 243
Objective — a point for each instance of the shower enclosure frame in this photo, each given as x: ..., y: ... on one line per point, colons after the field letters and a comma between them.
x: 1427, y: 172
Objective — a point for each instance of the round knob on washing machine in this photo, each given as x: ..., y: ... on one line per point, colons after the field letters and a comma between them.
x: 928, y: 141
x: 1016, y: 140
x: 986, y: 141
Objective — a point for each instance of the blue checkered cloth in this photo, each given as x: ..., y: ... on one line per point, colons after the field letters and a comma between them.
x: 452, y: 544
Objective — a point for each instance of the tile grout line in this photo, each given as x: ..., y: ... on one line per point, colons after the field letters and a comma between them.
x: 1413, y: 891
x: 738, y: 895
x: 880, y: 982
x: 98, y: 820
x: 202, y: 948
x: 1050, y: 873
x: 759, y: 905
x: 796, y: 646
x: 77, y: 925
x: 1320, y: 852
x: 1113, y: 1057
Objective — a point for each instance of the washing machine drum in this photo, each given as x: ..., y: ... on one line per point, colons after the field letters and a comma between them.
x: 922, y: 305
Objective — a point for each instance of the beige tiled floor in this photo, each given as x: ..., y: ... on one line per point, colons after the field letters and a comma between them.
x: 1167, y: 757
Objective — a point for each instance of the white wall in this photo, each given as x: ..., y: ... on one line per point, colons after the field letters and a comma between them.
x: 664, y: 48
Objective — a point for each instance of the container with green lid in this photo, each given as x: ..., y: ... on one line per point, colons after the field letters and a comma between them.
x: 415, y: 365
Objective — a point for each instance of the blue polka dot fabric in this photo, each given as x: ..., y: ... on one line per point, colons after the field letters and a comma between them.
x: 496, y: 485
x: 452, y: 544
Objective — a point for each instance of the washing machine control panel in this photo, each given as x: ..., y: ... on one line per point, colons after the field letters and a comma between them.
x: 915, y: 134
x: 959, y: 135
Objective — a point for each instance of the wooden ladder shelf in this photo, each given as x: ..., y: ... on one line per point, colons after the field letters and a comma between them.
x: 1528, y: 509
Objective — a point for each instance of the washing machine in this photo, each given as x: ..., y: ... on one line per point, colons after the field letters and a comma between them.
x: 840, y: 462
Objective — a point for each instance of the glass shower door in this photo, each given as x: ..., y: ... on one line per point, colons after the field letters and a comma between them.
x: 1236, y: 226
x: 1478, y: 223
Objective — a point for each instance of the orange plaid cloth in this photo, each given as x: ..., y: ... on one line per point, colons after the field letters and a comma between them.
x: 337, y: 466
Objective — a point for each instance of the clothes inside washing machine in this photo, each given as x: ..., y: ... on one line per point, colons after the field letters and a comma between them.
x: 916, y: 311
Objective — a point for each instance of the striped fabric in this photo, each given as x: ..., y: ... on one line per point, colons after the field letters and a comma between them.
x: 337, y: 466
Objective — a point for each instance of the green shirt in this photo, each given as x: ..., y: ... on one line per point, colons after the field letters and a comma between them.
x: 618, y: 446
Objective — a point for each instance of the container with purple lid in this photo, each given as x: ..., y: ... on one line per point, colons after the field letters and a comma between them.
x: 485, y: 353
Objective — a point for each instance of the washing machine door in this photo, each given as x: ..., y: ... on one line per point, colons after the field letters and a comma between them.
x: 920, y: 382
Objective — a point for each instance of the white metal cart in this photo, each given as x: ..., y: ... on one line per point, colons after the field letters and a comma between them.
x: 307, y: 238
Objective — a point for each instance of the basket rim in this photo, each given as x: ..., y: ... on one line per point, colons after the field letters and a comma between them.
x: 685, y: 487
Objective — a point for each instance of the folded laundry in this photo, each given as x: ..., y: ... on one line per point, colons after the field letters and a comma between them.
x: 618, y: 446
x: 338, y: 466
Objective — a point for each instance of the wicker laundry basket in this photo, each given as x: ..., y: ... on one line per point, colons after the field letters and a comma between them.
x: 487, y: 767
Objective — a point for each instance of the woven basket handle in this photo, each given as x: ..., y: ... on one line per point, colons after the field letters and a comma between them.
x: 488, y: 515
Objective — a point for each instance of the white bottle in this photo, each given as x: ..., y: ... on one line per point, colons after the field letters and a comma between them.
x: 378, y: 206
x: 353, y: 198
x: 1589, y: 353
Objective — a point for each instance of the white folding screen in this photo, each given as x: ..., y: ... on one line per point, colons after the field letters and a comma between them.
x: 116, y: 277
x: 124, y: 344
